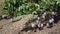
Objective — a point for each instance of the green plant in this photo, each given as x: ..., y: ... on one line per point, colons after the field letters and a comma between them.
x: 23, y: 7
x: 0, y: 17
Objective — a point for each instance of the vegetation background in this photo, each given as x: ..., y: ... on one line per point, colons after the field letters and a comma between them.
x: 24, y: 7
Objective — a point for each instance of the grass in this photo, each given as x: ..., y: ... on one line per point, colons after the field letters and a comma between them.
x: 2, y: 11
x: 58, y: 1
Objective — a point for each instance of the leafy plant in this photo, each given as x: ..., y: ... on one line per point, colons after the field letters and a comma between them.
x: 23, y: 7
x: 0, y: 17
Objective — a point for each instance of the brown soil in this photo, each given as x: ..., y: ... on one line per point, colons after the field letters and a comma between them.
x: 7, y: 27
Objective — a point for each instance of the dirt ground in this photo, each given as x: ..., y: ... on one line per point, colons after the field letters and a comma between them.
x: 54, y: 30
x: 7, y: 27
